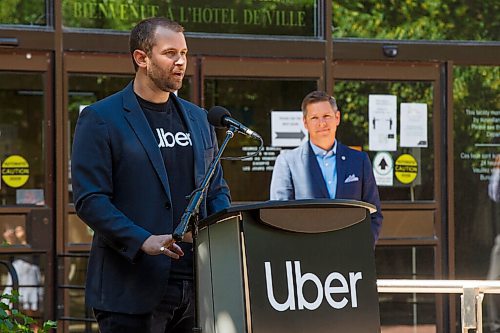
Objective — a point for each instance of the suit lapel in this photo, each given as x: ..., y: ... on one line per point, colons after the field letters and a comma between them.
x: 318, y: 186
x: 341, y: 161
x: 195, y: 131
x: 137, y: 120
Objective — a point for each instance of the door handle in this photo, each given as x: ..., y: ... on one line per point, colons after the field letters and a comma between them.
x: 9, y: 41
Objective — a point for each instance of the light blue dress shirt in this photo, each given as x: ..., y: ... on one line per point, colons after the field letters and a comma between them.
x: 328, y: 166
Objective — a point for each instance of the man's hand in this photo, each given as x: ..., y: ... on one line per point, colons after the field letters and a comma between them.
x: 162, y: 244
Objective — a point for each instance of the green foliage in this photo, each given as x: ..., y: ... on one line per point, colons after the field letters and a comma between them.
x: 417, y: 20
x: 27, y: 12
x: 14, y: 321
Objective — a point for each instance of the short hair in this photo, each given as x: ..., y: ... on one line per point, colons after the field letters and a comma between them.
x: 142, y: 36
x: 315, y: 97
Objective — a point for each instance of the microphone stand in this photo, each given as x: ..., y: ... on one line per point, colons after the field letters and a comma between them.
x: 192, y: 210
x: 191, y: 214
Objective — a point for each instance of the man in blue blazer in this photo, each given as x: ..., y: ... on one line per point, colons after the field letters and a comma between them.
x: 323, y: 167
x: 136, y: 157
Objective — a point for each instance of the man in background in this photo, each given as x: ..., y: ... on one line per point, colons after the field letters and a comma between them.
x: 323, y: 167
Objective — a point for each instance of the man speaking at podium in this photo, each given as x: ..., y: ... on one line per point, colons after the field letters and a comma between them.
x: 137, y: 156
x: 323, y: 167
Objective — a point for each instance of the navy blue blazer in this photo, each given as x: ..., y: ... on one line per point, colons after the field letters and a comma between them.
x: 121, y: 191
x: 297, y: 176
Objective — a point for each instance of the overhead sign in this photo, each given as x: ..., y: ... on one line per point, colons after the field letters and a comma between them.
x: 383, y: 169
x: 406, y: 168
x: 254, y: 17
x: 15, y: 171
x: 287, y: 129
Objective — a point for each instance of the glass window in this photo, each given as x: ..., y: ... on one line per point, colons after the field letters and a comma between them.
x: 476, y: 115
x: 77, y: 317
x: 417, y: 20
x: 23, y: 12
x: 251, y: 101
x: 269, y: 17
x: 404, y: 312
x: 22, y: 123
x: 353, y: 97
x: 476, y: 163
x: 29, y: 272
x: 13, y: 229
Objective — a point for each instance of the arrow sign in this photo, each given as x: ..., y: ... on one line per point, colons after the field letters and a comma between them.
x: 287, y: 129
x: 286, y: 135
x: 383, y: 164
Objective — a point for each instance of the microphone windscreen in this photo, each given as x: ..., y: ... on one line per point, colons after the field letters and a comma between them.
x: 216, y: 115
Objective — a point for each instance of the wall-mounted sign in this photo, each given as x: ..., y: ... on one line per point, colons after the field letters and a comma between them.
x: 255, y: 17
x: 15, y: 171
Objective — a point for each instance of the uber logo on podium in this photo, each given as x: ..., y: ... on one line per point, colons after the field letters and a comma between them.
x: 323, y: 289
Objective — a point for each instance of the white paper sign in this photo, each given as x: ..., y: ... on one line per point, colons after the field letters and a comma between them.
x: 382, y: 117
x: 413, y: 122
x: 287, y: 129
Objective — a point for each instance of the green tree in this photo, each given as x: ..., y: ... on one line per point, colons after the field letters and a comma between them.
x: 417, y: 20
x: 25, y: 12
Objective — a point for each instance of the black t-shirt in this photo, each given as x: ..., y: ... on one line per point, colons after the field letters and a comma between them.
x: 176, y: 146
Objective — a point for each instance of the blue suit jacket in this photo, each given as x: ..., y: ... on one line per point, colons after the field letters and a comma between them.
x: 297, y: 176
x: 121, y: 191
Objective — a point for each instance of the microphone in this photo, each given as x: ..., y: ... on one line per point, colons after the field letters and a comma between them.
x: 219, y: 116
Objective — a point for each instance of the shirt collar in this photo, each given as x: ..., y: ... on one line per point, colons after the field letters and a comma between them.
x: 321, y: 152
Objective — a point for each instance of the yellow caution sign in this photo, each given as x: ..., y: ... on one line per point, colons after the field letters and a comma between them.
x: 15, y: 171
x: 406, y: 168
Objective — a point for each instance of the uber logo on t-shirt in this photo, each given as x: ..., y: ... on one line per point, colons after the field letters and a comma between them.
x: 169, y: 139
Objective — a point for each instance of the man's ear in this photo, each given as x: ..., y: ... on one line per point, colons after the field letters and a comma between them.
x: 337, y: 114
x: 140, y: 58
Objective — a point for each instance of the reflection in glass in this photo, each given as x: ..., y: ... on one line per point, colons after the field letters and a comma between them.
x: 406, y: 312
x: 78, y: 317
x: 29, y: 272
x: 352, y: 99
x: 251, y: 101
x: 24, y: 12
x: 78, y: 231
x: 22, y: 123
x: 476, y: 116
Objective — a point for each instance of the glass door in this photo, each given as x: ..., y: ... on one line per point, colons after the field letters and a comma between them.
x: 252, y: 90
x: 392, y: 111
x: 26, y: 184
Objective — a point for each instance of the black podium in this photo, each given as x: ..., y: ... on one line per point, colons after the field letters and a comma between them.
x: 294, y: 266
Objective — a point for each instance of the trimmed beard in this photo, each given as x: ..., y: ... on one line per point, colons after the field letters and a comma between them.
x: 163, y: 81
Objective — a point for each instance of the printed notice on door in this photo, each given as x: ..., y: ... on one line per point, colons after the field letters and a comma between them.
x: 382, y: 116
x: 413, y: 120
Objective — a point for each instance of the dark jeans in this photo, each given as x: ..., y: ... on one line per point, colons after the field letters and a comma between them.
x: 174, y: 314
